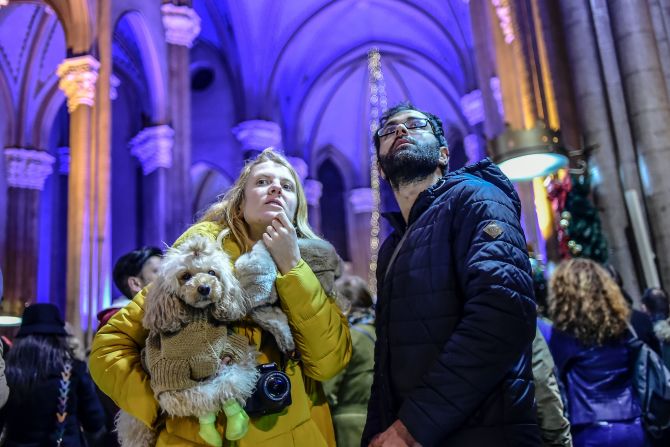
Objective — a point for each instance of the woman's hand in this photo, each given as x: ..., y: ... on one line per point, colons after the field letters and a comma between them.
x: 282, y: 242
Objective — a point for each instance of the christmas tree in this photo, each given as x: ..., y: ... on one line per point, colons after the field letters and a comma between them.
x: 581, y: 222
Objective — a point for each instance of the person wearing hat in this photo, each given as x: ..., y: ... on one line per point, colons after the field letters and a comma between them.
x: 52, y: 395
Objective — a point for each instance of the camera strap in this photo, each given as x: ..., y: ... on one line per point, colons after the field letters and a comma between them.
x: 287, y: 357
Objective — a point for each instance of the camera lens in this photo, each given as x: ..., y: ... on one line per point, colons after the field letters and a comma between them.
x: 276, y: 386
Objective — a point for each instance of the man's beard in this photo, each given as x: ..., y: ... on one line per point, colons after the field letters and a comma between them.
x: 410, y: 164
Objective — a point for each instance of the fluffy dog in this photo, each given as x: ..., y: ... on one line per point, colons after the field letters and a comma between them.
x: 197, y: 365
x: 256, y: 271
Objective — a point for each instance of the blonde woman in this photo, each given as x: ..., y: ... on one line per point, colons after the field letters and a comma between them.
x: 267, y: 202
x: 588, y: 342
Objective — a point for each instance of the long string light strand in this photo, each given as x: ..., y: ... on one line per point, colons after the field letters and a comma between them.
x: 378, y: 105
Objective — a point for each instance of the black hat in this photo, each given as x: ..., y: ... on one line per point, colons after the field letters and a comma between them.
x: 41, y: 318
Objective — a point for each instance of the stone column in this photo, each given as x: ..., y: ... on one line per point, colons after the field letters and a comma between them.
x: 78, y: 78
x: 153, y: 147
x: 361, y: 207
x: 256, y: 135
x: 484, y: 50
x: 182, y: 26
x: 27, y: 170
x: 472, y: 105
x: 313, y: 191
x: 593, y: 113
x: 649, y: 111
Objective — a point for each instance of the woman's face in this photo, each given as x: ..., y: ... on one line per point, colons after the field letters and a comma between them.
x: 269, y: 190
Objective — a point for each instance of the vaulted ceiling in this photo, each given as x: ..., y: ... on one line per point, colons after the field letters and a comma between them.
x: 303, y: 64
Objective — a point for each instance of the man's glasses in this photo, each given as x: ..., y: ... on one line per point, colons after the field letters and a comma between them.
x: 410, y: 124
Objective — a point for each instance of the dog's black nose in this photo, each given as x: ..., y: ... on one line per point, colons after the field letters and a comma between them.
x: 203, y: 290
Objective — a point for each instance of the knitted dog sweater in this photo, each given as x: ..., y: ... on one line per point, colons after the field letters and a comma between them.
x: 181, y: 360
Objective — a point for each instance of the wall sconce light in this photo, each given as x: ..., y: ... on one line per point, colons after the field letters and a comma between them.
x: 528, y: 153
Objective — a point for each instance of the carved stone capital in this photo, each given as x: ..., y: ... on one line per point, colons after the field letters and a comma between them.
x: 181, y: 23
x: 78, y: 76
x: 300, y: 166
x: 313, y: 191
x: 256, y: 135
x: 153, y: 147
x: 473, y: 107
x: 362, y: 200
x: 27, y: 168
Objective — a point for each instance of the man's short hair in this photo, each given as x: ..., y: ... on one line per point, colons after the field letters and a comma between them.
x: 656, y: 302
x: 435, y: 122
x: 131, y: 264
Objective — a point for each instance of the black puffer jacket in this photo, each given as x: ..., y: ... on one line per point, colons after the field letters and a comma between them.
x: 456, y: 318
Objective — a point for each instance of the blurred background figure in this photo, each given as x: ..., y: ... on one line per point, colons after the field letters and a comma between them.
x: 655, y: 303
x: 53, y: 399
x: 4, y: 389
x: 588, y: 343
x: 640, y: 320
x: 132, y: 272
x: 348, y: 392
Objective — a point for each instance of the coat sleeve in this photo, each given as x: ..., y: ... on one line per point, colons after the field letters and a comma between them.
x: 116, y: 365
x: 554, y: 426
x: 498, y: 313
x: 373, y: 424
x: 4, y: 389
x: 89, y: 411
x: 320, y: 331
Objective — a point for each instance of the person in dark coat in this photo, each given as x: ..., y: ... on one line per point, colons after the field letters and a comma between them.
x: 588, y: 341
x: 455, y: 310
x: 641, y: 322
x: 52, y: 396
x: 349, y: 391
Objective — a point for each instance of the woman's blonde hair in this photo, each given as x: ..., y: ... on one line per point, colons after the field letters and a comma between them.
x: 585, y: 302
x: 228, y: 210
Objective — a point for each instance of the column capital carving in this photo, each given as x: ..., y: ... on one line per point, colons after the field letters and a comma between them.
x: 78, y: 76
x: 300, y: 167
x: 473, y: 107
x: 27, y: 168
x: 181, y: 23
x: 153, y: 147
x: 256, y: 135
x: 313, y: 191
x: 362, y: 200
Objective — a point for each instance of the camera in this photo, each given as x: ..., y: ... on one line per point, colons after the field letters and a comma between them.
x: 272, y: 393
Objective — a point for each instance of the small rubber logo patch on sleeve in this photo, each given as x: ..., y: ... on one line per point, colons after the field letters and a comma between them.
x: 493, y: 229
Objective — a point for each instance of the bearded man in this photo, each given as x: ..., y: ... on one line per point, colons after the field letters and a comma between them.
x: 455, y: 309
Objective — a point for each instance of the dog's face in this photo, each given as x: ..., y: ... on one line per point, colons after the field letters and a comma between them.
x: 204, y: 274
x: 196, y: 274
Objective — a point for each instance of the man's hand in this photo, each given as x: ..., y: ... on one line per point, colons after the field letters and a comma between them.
x: 396, y: 435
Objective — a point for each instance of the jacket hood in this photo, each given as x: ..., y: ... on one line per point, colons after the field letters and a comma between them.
x: 484, y: 170
x: 662, y: 330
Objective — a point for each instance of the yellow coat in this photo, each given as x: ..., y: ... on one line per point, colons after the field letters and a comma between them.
x: 321, y: 335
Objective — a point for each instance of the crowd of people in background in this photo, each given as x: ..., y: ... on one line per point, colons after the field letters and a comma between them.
x: 464, y: 344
